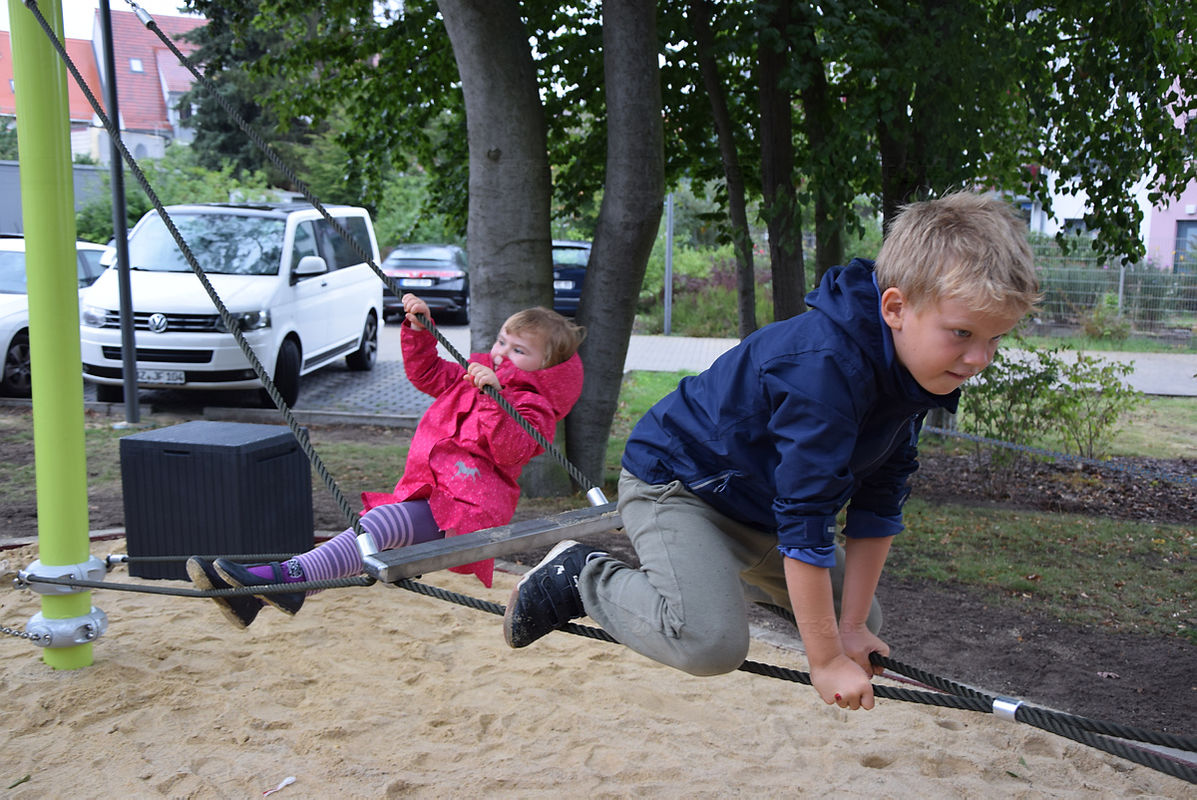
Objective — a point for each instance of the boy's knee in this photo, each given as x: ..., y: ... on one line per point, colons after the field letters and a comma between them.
x: 703, y: 658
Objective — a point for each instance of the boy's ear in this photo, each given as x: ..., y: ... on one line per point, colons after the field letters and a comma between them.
x: 893, y: 305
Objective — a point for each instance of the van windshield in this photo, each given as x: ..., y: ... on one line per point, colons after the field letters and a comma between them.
x: 228, y: 244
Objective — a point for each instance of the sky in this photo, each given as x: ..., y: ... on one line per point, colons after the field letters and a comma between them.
x: 77, y: 15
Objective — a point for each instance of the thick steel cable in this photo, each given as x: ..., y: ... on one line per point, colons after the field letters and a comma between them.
x: 230, y: 323
x: 1076, y: 728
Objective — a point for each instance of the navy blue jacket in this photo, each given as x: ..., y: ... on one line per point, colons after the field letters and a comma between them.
x: 800, y: 418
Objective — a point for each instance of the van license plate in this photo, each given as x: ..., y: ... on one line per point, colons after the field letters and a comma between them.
x: 160, y: 376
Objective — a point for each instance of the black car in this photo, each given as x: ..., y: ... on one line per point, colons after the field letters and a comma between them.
x: 437, y: 273
x: 569, y: 273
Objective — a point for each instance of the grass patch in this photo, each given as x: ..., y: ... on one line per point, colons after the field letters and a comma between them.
x: 1162, y: 427
x: 1126, y: 576
x: 1131, y: 344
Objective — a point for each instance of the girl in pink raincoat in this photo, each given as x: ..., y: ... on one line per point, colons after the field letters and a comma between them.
x: 465, y: 457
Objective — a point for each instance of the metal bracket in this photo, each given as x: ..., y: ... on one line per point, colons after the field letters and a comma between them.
x: 1006, y: 707
x: 91, y: 570
x: 67, y: 632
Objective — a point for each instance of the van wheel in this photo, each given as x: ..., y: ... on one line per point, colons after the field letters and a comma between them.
x: 286, y: 375
x: 16, y: 379
x: 364, y: 357
x: 110, y: 394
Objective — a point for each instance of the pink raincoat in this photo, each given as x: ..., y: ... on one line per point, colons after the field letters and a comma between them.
x: 467, y: 452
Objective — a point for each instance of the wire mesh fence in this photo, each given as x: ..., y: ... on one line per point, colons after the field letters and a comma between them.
x: 1112, y: 301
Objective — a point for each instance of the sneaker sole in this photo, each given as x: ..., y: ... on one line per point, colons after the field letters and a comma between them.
x: 265, y: 598
x: 558, y: 548
x: 201, y: 580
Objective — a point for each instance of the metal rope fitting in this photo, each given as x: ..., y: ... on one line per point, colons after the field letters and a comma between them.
x: 596, y: 497
x: 1006, y: 707
x: 69, y: 632
x: 91, y: 570
x: 366, y: 545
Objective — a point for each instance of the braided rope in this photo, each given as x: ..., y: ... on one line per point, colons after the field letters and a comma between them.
x: 1076, y: 728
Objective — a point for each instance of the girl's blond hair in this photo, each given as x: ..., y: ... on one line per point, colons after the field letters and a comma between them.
x: 561, y: 336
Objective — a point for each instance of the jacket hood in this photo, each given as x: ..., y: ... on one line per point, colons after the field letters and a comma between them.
x: 561, y: 384
x: 840, y: 296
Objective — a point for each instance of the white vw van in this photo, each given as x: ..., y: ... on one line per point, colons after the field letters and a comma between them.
x: 302, y: 295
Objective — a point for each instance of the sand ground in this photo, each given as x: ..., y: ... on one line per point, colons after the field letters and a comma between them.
x: 377, y: 692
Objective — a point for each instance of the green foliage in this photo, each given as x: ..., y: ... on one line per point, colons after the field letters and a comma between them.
x: 175, y: 178
x: 1097, y: 399
x: 1105, y: 321
x: 8, y: 139
x: 1042, y: 396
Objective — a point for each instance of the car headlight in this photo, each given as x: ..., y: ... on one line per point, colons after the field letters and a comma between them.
x: 93, y: 316
x: 247, y: 321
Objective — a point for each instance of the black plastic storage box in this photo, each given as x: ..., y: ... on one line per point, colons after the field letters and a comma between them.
x: 213, y: 488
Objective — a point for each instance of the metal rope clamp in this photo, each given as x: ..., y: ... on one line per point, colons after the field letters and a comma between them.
x: 1006, y: 708
x: 67, y: 632
x: 91, y: 570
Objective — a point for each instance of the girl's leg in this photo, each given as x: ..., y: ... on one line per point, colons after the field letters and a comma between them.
x: 393, y: 525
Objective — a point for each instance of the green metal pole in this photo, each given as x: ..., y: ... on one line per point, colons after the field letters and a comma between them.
x: 48, y: 211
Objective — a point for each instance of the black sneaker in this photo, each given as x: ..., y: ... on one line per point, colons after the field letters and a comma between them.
x: 547, y: 597
x: 240, y: 610
x: 239, y: 575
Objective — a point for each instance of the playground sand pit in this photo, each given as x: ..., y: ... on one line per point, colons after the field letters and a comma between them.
x: 378, y: 692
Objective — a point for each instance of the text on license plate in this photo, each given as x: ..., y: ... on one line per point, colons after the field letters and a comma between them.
x: 415, y: 281
x: 160, y: 376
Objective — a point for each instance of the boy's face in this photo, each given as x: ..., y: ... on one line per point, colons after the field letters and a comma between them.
x: 524, y: 349
x: 945, y: 343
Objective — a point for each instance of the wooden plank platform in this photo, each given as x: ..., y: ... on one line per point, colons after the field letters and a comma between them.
x: 408, y: 562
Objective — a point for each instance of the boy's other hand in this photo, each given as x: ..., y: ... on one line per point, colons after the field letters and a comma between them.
x: 859, y: 644
x: 842, y: 682
x: 412, y: 306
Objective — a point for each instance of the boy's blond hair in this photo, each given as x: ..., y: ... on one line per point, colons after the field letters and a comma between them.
x: 561, y: 337
x: 962, y: 246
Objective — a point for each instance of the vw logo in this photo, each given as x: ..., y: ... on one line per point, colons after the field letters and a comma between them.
x: 157, y: 323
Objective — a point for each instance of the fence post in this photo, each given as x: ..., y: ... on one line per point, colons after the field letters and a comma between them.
x: 1121, y: 283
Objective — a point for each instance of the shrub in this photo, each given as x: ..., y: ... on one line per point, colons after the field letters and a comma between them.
x: 1047, y: 396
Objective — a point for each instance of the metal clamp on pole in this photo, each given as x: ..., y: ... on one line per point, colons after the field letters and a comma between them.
x: 67, y: 632
x: 91, y: 570
x: 596, y: 497
x: 1006, y: 707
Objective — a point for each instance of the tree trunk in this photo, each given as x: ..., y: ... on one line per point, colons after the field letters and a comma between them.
x: 777, y: 169
x: 821, y: 136
x: 628, y: 222
x: 508, y: 236
x: 737, y: 207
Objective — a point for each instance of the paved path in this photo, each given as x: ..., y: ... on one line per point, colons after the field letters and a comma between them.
x: 337, y: 393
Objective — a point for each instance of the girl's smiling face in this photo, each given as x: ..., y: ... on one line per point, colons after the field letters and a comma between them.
x: 944, y: 343
x: 525, y: 350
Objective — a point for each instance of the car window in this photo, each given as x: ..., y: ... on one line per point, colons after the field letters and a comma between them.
x: 231, y: 244
x: 305, y: 243
x: 12, y: 273
x: 343, y: 253
x: 570, y: 256
x: 89, y: 266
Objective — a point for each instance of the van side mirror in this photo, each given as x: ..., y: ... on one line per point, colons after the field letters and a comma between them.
x: 309, y: 266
